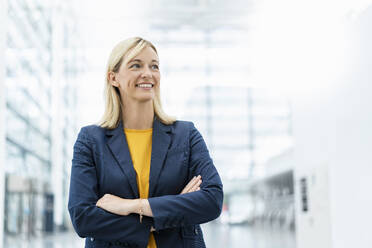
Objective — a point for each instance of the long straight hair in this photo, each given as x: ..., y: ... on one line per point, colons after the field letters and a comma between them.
x: 123, y: 52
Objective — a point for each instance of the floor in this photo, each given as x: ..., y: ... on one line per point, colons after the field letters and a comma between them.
x: 216, y: 235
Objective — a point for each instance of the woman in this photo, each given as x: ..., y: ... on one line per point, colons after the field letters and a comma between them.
x: 141, y: 178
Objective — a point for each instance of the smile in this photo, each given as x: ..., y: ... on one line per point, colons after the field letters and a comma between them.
x: 145, y: 85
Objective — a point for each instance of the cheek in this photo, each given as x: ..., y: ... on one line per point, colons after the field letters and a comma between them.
x: 127, y: 78
x: 125, y: 83
x: 157, y: 77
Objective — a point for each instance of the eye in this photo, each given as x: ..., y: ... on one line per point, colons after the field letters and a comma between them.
x: 136, y: 66
x: 155, y: 67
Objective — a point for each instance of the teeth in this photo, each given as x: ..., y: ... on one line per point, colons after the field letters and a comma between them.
x: 144, y: 85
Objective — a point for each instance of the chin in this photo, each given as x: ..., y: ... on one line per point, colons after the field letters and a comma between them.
x: 145, y: 98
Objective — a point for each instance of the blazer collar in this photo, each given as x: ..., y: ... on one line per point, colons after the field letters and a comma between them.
x: 161, y: 140
x: 118, y: 145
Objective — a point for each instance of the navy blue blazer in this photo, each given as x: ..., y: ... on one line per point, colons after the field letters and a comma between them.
x: 102, y: 164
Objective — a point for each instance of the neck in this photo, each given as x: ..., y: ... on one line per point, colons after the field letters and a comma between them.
x: 138, y: 115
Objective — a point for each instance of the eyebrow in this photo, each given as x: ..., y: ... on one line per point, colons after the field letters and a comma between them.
x: 138, y: 60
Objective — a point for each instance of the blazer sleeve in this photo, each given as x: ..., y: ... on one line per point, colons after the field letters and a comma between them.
x: 196, y: 207
x: 90, y: 220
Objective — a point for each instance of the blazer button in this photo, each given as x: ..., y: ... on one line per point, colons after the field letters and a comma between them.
x: 92, y: 239
x: 196, y: 231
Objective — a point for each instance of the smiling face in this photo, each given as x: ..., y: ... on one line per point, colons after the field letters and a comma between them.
x: 139, y: 78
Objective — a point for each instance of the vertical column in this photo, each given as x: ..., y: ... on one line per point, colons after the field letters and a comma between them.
x: 251, y: 132
x: 56, y: 112
x: 3, y: 17
x: 208, y: 94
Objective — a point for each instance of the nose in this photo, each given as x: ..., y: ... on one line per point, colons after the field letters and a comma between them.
x: 146, y: 73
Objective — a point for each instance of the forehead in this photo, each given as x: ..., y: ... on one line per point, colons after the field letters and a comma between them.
x: 146, y: 54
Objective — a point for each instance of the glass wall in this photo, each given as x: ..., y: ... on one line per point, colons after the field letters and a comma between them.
x: 41, y: 71
x: 207, y: 78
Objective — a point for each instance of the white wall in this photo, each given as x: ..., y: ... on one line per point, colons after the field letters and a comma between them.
x: 351, y: 184
x: 3, y: 11
x: 333, y: 149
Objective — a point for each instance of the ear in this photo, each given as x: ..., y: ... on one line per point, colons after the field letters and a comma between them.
x: 112, y: 79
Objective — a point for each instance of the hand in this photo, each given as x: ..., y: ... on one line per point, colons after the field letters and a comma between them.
x: 115, y: 204
x: 193, y: 185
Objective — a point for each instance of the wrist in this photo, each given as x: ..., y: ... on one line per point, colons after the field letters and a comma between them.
x: 140, y: 209
x: 129, y: 206
x: 137, y: 206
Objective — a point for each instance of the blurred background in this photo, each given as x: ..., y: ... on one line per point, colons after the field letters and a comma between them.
x: 280, y: 90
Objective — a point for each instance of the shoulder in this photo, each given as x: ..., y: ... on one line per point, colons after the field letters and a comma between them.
x: 186, y: 129
x: 92, y: 132
x: 182, y: 126
x: 92, y: 128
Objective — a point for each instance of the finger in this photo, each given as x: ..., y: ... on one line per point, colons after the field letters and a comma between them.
x: 192, y: 184
x: 195, y: 183
x: 196, y: 186
x: 189, y: 185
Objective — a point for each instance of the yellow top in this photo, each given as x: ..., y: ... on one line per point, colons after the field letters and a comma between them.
x: 139, y: 144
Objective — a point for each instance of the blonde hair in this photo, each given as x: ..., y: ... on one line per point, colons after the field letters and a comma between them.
x: 123, y: 52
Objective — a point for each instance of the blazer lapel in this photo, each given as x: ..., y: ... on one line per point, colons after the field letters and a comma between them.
x: 118, y: 145
x: 160, y: 143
